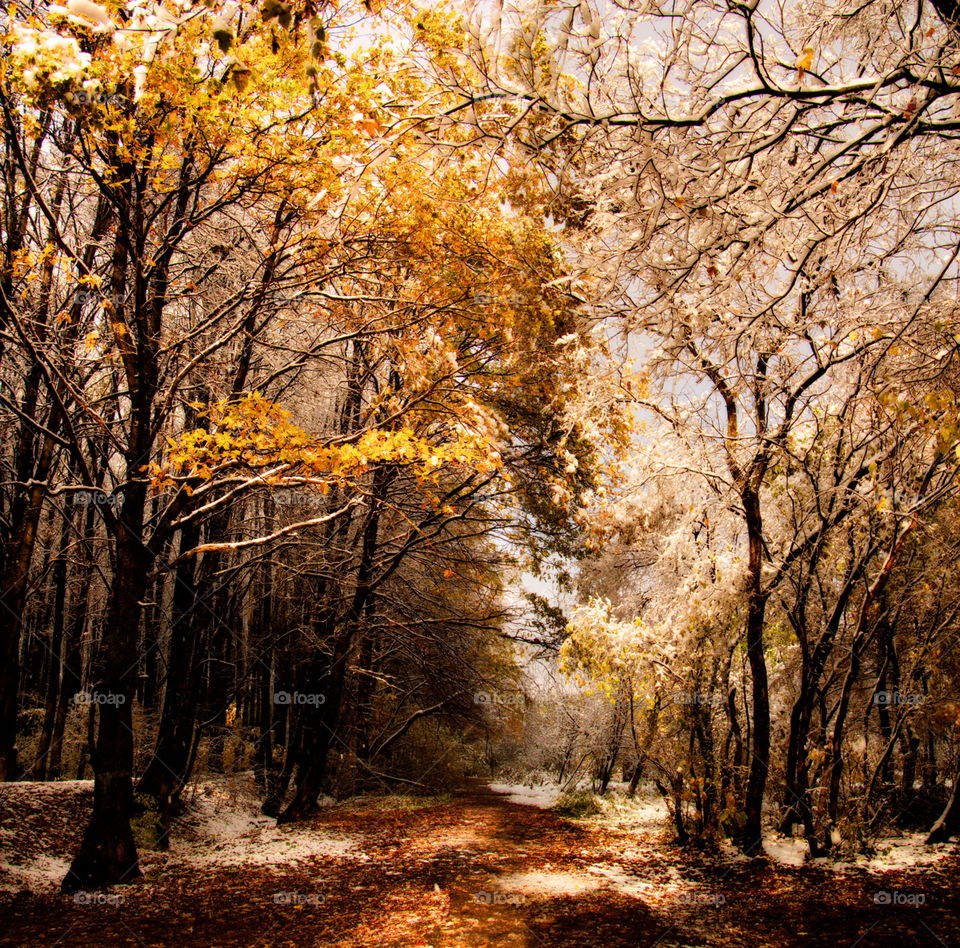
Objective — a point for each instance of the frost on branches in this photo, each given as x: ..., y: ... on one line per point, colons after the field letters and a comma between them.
x: 763, y: 201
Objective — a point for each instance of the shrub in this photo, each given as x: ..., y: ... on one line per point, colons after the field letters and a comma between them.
x: 577, y: 804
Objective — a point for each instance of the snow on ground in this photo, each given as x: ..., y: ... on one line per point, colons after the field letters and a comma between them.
x: 902, y: 852
x: 646, y: 814
x: 892, y: 852
x: 786, y: 850
x: 40, y: 874
x: 672, y: 888
x: 38, y: 825
x: 540, y: 796
x: 643, y: 814
x: 222, y: 827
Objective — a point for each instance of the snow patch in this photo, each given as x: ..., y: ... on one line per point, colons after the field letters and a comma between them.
x: 542, y: 796
x: 644, y: 813
x: 222, y: 827
x: 903, y: 852
x: 892, y: 853
x: 625, y: 882
x: 225, y: 831
x: 786, y: 850
x: 670, y: 887
x: 41, y: 874
x: 601, y: 876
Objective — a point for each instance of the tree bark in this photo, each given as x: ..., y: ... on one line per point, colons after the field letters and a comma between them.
x: 751, y: 839
x: 948, y: 825
x: 322, y: 722
x: 55, y: 668
x: 167, y: 769
x: 108, y: 854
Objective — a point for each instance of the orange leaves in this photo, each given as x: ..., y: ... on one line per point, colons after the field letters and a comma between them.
x: 369, y: 125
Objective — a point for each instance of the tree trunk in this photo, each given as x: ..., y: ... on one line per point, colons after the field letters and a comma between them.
x: 13, y: 598
x: 52, y: 685
x: 167, y: 770
x: 322, y: 722
x: 108, y: 854
x: 948, y: 825
x: 751, y: 839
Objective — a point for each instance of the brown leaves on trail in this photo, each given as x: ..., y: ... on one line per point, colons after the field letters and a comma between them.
x: 479, y: 872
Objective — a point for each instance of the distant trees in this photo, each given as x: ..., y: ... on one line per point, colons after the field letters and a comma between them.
x: 760, y: 202
x: 846, y: 506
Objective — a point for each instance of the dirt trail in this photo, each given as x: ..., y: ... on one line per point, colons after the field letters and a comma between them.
x: 482, y: 871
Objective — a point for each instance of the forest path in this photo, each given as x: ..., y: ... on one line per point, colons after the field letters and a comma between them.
x: 482, y: 871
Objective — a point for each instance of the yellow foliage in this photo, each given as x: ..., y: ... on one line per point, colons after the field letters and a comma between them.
x: 253, y: 434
